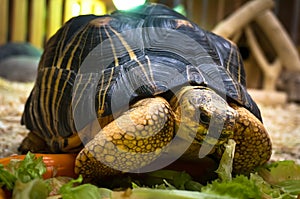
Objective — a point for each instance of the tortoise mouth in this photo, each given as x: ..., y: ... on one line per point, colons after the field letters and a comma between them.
x: 213, y: 137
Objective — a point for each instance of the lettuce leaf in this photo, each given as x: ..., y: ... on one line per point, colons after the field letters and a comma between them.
x: 239, y: 187
x: 28, y: 169
x: 225, y: 167
x: 6, y: 178
x: 280, y: 171
x: 283, y: 176
x: 36, y: 188
x: 149, y: 193
x: 276, y: 180
x: 169, y: 179
x: 21, y: 170
x: 70, y: 191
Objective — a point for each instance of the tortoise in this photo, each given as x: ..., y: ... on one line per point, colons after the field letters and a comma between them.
x: 137, y: 87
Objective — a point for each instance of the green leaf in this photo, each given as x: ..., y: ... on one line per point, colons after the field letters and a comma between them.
x: 24, y: 170
x: 28, y: 169
x: 265, y: 188
x: 105, y: 193
x: 290, y: 186
x: 239, y: 187
x: 285, y: 191
x: 148, y: 193
x: 280, y: 171
x: 225, y: 167
x: 6, y: 178
x: 170, y: 179
x: 37, y: 189
x: 282, y: 174
x: 193, y: 186
x: 69, y: 191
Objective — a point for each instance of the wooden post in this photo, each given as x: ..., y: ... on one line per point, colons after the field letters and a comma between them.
x: 54, y: 17
x: 220, y: 10
x: 37, y: 23
x: 280, y: 40
x: 271, y: 71
x: 19, y: 20
x: 3, y: 21
x: 241, y: 17
x: 195, y: 10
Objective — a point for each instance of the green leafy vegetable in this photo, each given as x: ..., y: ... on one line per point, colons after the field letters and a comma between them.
x: 277, y: 180
x: 28, y: 169
x: 193, y: 186
x: 21, y: 170
x: 290, y: 186
x: 56, y: 183
x: 280, y: 171
x: 148, y: 193
x: 169, y: 179
x: 6, y: 178
x: 70, y: 191
x: 225, y: 167
x: 36, y: 188
x: 283, y: 177
x: 239, y: 187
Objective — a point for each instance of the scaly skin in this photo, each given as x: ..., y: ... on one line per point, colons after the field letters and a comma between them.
x: 131, y: 141
x: 253, y: 144
x: 140, y: 135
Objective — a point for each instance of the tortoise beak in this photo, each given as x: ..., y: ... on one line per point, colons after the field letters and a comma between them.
x: 219, y: 130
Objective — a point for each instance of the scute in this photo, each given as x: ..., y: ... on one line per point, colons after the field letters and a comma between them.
x: 122, y: 55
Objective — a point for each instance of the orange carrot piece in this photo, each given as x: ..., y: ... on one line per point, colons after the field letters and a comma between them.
x: 4, y: 194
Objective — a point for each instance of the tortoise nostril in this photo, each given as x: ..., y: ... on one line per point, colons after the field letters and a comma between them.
x: 205, y: 119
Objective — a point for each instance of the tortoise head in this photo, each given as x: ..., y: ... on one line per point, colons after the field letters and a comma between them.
x: 204, y: 118
x: 204, y: 115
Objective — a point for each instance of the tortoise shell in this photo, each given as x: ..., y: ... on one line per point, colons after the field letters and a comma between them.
x: 95, y: 66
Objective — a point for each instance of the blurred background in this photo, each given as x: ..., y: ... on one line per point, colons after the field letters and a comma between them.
x: 267, y: 33
x: 34, y: 21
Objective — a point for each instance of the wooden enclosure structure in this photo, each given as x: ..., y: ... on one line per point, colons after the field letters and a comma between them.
x: 35, y: 21
x: 207, y: 13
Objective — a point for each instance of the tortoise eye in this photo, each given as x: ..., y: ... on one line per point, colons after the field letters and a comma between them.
x: 204, y: 118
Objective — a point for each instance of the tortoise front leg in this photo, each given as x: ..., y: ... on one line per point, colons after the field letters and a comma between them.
x: 131, y: 141
x: 253, y: 144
